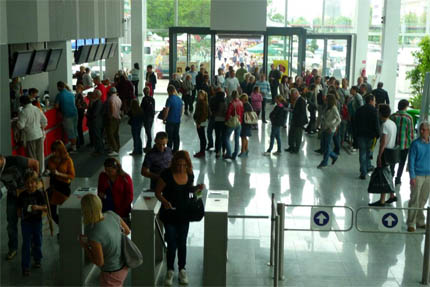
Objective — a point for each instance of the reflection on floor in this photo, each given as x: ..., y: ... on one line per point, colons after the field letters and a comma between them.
x: 311, y: 258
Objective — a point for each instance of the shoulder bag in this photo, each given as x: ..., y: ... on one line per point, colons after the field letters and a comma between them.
x: 233, y: 121
x: 250, y: 118
x: 131, y: 253
x: 195, y: 209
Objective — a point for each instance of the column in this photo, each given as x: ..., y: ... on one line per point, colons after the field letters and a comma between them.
x: 362, y: 23
x: 113, y: 64
x: 138, y: 32
x: 5, y: 128
x: 390, y: 35
x: 64, y: 70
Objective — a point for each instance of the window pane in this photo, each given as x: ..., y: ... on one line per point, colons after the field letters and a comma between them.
x: 339, y: 16
x: 195, y: 13
x: 275, y: 13
x: 157, y: 54
x: 375, y: 36
x: 309, y: 17
x: 161, y: 14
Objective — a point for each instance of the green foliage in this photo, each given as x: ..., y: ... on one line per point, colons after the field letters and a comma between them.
x: 417, y: 75
x: 161, y: 14
x: 300, y: 21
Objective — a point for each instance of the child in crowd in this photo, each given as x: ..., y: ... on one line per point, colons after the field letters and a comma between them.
x: 31, y: 204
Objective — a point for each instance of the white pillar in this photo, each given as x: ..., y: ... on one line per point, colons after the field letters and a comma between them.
x: 390, y: 35
x: 138, y: 32
x: 64, y: 70
x: 362, y: 24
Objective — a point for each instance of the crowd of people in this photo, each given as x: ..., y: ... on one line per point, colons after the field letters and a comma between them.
x: 230, y: 106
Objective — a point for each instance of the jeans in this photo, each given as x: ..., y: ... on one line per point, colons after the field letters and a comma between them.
x: 263, y: 109
x: 97, y: 137
x: 210, y: 131
x: 136, y: 88
x: 172, y: 130
x: 326, y: 138
x: 228, y: 133
x: 364, y: 145
x: 12, y: 222
x: 403, y: 157
x: 275, y: 134
x: 148, y: 131
x: 31, y: 243
x: 202, y: 137
x: 274, y: 91
x: 336, y: 141
x: 137, y: 140
x: 176, y: 238
x: 312, y: 118
x: 187, y: 103
x: 219, y: 136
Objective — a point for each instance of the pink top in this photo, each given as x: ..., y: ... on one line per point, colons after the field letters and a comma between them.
x: 116, y: 103
x: 256, y: 100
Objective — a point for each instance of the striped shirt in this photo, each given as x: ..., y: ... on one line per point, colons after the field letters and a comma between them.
x: 264, y: 88
x: 405, y: 129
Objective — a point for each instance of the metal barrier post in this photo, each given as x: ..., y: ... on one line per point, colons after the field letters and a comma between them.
x: 281, y: 213
x: 276, y: 253
x: 272, y: 230
x: 426, y: 266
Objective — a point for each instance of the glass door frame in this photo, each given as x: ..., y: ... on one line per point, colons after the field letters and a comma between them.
x: 326, y: 37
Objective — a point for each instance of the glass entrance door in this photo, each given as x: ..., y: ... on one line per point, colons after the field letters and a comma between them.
x: 279, y: 54
x: 200, y: 51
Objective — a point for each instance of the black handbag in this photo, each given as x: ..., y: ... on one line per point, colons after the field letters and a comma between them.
x: 195, y: 209
x: 381, y: 181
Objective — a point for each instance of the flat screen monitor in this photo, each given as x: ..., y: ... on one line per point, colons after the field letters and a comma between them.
x: 22, y: 64
x: 92, y: 54
x: 39, y: 61
x: 113, y: 50
x: 100, y: 51
x: 82, y: 55
x: 96, y: 41
x: 106, y: 51
x: 54, y: 59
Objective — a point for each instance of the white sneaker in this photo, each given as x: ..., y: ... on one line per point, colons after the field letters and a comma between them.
x: 266, y: 153
x: 277, y: 153
x: 113, y: 153
x: 183, y: 278
x: 169, y: 278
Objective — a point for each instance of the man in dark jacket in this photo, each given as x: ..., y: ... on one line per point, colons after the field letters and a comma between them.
x: 366, y: 129
x: 298, y: 120
x: 381, y: 95
x: 151, y: 78
x: 274, y: 77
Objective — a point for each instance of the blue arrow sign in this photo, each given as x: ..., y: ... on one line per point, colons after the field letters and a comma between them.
x: 321, y: 218
x: 390, y: 220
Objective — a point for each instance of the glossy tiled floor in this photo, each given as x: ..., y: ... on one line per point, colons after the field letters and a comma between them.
x: 311, y: 258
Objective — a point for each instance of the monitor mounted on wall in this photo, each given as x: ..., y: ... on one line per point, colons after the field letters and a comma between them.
x: 82, y: 54
x: 39, y: 62
x: 21, y: 64
x: 53, y: 60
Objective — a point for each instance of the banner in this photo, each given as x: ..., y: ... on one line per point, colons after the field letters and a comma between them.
x: 283, y: 67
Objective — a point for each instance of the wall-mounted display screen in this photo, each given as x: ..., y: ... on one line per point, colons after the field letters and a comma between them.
x: 113, y: 50
x: 92, y: 54
x: 82, y: 54
x: 100, y: 51
x: 54, y: 59
x: 22, y: 63
x: 106, y: 51
x: 39, y: 61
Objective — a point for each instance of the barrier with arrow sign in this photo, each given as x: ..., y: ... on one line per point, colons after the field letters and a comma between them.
x: 390, y: 220
x: 321, y: 218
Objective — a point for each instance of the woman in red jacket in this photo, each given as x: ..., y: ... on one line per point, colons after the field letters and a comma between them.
x: 115, y: 188
x: 235, y: 109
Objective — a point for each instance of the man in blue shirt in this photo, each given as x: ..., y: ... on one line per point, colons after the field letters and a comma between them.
x: 172, y: 118
x: 65, y: 102
x: 419, y: 171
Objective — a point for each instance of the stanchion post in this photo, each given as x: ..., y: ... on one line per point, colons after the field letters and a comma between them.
x: 276, y: 254
x: 426, y: 266
x: 272, y: 229
x: 281, y: 212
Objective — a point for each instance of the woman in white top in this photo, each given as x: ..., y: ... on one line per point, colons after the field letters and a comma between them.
x: 135, y: 78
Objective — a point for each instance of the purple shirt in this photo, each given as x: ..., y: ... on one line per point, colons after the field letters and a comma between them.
x: 157, y: 161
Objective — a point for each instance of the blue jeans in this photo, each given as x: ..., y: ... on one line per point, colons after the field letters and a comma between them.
x: 176, y: 238
x: 148, y: 129
x: 172, y: 130
x: 275, y: 134
x: 336, y: 141
x: 228, y: 133
x: 137, y: 140
x: 209, y: 132
x: 364, y: 146
x: 12, y: 222
x: 31, y: 242
x: 326, y: 139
